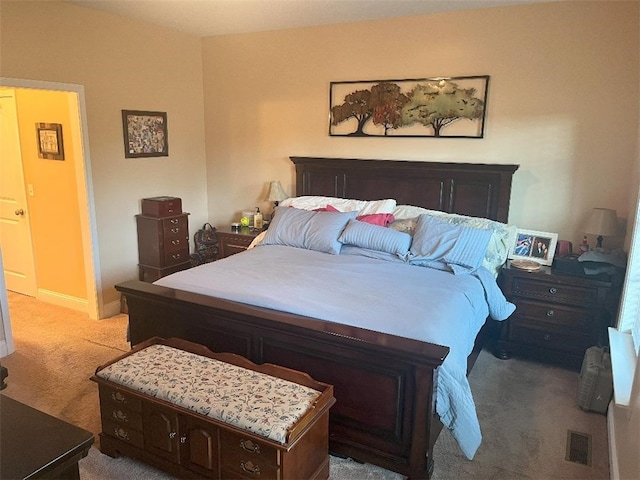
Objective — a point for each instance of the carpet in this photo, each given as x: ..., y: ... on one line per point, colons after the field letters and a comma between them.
x: 525, y: 408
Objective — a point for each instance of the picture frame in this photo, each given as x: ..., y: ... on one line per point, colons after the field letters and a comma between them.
x: 49, y: 139
x: 533, y: 245
x: 145, y: 134
x: 437, y: 107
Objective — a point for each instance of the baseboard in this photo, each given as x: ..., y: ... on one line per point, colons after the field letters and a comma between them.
x: 4, y: 348
x: 62, y: 300
x: 112, y: 308
x: 614, y: 473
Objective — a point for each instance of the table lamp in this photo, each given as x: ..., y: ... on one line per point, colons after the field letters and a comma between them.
x: 276, y: 193
x: 602, y: 222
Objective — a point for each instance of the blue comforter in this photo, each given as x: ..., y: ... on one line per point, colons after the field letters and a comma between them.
x: 417, y: 302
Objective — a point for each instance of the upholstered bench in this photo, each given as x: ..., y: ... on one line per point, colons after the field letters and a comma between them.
x: 195, y: 413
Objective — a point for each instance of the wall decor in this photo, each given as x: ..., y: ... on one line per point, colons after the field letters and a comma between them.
x: 441, y: 107
x: 533, y: 245
x: 145, y: 134
x: 49, y: 136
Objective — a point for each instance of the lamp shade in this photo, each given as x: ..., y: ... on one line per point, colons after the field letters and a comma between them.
x: 276, y: 192
x: 602, y: 222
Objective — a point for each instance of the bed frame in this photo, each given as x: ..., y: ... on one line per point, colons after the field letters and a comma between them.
x: 384, y: 384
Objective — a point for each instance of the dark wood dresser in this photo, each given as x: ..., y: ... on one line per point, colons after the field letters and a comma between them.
x: 163, y: 238
x: 557, y: 316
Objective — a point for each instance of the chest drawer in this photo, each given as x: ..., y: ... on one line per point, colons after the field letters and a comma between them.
x: 123, y: 432
x: 244, y: 456
x: 117, y: 414
x: 115, y: 398
x: 554, y: 292
x: 556, y: 314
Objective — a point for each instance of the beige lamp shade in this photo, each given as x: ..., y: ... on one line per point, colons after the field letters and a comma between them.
x: 602, y: 222
x: 276, y: 192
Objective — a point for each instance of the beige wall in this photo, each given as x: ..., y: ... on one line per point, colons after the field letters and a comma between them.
x: 127, y: 65
x: 562, y: 102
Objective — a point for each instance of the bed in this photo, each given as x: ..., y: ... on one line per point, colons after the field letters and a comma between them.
x: 385, y: 383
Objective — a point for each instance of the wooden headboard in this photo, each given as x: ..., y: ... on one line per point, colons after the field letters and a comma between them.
x: 479, y: 190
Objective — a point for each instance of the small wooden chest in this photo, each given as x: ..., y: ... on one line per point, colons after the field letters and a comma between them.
x: 200, y: 432
x: 161, y: 206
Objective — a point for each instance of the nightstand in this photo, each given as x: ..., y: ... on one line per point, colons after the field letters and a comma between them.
x: 234, y: 241
x: 557, y: 316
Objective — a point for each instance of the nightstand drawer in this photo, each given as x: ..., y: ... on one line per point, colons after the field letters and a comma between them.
x: 548, y: 336
x: 554, y: 292
x: 556, y: 314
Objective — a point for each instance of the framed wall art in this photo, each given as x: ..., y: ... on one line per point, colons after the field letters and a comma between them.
x: 145, y: 134
x: 49, y: 137
x: 440, y: 107
x: 536, y: 246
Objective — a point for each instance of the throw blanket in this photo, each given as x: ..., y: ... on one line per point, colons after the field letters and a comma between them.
x: 411, y: 301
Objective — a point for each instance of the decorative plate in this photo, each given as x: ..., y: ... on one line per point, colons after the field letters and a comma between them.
x: 525, y: 264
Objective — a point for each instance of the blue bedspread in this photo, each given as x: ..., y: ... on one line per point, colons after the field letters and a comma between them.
x: 411, y: 301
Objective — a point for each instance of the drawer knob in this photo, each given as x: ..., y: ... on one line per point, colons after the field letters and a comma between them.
x: 175, y: 256
x: 175, y: 230
x: 118, y: 397
x: 550, y: 313
x: 249, y: 467
x: 120, y: 416
x: 250, y: 446
x: 122, y: 433
x: 174, y: 220
x: 175, y: 242
x: 546, y: 337
x: 553, y: 290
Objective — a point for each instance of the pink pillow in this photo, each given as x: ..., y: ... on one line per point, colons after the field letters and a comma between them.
x: 328, y: 208
x: 382, y: 219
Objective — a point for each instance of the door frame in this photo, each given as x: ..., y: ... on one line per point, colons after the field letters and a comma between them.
x: 84, y: 185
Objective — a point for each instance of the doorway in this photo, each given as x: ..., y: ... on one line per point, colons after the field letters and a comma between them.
x: 76, y: 142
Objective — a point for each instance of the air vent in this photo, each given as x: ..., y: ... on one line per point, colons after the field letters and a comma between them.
x: 578, y: 448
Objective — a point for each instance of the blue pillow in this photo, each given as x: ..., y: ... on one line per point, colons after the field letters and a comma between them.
x: 376, y: 237
x: 307, y: 229
x: 460, y: 247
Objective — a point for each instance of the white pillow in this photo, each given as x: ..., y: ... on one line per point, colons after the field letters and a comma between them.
x: 363, y: 207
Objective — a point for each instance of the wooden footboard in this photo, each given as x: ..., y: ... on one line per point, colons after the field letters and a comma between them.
x: 384, y: 385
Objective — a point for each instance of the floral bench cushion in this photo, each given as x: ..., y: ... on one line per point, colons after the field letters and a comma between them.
x: 259, y: 403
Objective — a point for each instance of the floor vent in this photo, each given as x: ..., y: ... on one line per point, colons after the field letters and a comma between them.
x: 578, y: 448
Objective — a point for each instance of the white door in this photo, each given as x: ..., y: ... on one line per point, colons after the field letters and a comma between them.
x: 15, y: 232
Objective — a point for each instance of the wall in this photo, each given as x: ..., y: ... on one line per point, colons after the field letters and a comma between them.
x: 563, y: 78
x: 55, y: 229
x: 123, y: 65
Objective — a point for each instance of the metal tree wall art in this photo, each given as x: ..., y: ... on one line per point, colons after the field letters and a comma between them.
x: 432, y: 107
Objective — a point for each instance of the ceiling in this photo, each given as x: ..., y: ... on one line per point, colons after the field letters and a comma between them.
x: 205, y: 18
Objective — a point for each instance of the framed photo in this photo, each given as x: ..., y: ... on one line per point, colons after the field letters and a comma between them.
x: 439, y: 107
x: 49, y: 136
x: 537, y: 246
x: 145, y: 134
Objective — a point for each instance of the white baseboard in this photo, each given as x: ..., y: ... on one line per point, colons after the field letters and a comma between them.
x: 4, y: 348
x: 614, y: 467
x: 62, y: 300
x: 111, y: 309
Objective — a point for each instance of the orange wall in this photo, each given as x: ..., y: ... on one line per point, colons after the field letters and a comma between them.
x: 55, y: 226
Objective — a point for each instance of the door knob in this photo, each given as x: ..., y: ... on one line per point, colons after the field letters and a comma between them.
x: 19, y: 211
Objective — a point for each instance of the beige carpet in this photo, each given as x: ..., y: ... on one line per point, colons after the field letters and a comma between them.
x: 525, y: 408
